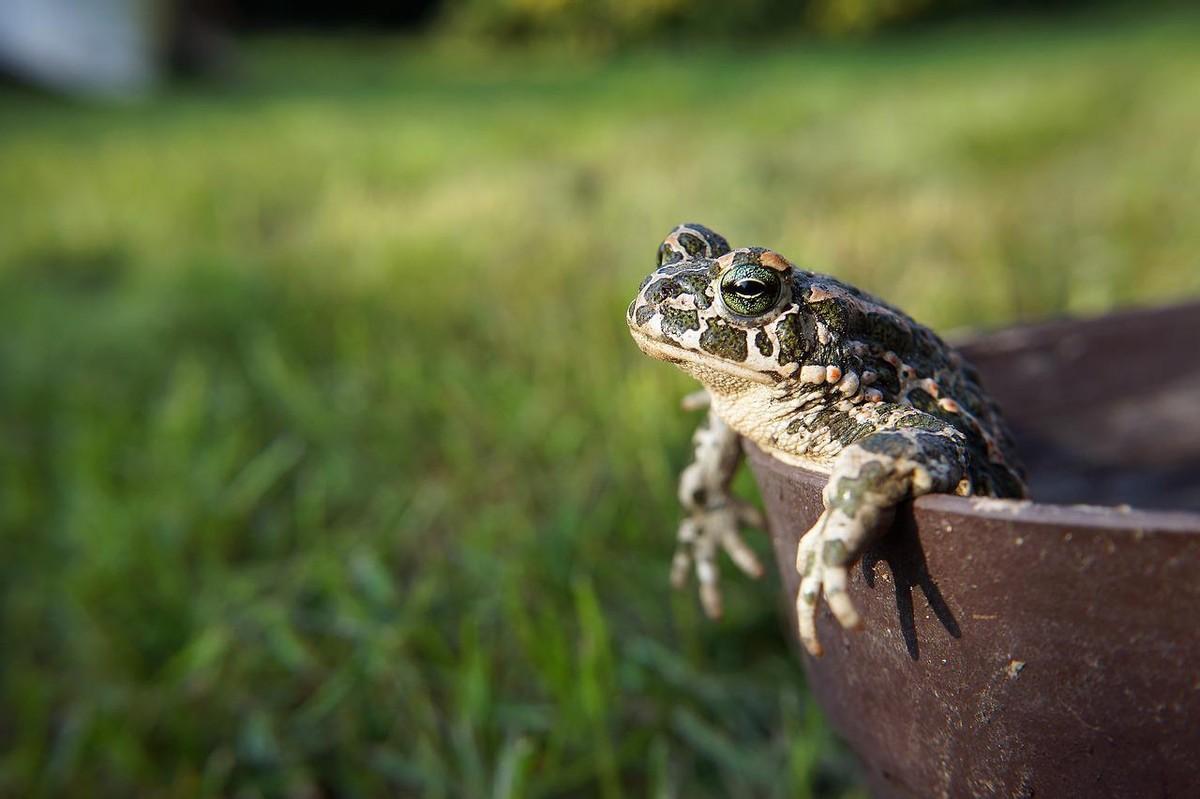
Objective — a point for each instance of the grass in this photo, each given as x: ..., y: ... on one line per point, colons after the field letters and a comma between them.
x: 328, y: 466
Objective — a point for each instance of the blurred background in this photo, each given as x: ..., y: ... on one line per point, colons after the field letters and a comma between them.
x: 327, y: 467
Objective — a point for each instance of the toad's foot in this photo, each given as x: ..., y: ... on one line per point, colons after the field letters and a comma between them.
x: 823, y: 558
x: 714, y: 516
x: 869, y: 478
x: 699, y: 536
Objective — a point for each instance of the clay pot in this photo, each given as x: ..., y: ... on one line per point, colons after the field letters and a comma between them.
x: 1041, y: 648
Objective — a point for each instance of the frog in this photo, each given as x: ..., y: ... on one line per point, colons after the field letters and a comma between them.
x: 818, y: 374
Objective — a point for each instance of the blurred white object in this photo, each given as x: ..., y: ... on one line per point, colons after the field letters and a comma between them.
x: 98, y: 47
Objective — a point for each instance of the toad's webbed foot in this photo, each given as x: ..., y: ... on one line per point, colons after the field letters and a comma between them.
x: 868, y: 479
x: 715, y: 517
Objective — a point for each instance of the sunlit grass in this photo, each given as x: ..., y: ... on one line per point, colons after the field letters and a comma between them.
x: 329, y: 468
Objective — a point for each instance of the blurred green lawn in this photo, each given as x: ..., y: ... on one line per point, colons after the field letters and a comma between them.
x: 329, y: 468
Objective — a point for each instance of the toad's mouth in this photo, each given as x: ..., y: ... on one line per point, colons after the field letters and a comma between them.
x: 666, y: 350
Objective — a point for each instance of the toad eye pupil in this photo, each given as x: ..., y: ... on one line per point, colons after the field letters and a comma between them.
x: 749, y: 288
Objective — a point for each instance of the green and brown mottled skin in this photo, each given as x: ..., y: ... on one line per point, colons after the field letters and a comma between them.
x: 823, y: 376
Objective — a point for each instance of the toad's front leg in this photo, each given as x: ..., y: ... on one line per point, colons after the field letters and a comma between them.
x: 714, y: 516
x: 868, y: 479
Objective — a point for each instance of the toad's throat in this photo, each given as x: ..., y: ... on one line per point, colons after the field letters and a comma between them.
x: 665, y: 350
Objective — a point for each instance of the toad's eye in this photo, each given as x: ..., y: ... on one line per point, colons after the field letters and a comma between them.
x: 750, y: 290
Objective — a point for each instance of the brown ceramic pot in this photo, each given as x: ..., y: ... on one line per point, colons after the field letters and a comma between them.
x: 1040, y: 649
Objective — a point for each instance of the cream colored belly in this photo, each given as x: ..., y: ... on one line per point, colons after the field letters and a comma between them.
x: 761, y: 419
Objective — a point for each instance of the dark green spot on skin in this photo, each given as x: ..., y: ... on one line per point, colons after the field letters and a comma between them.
x: 676, y: 321
x: 889, y: 333
x: 922, y: 422
x: 697, y: 284
x: 831, y: 313
x: 749, y: 256
x: 796, y: 333
x: 894, y: 445
x: 839, y: 320
x: 834, y: 553
x: 940, y: 449
x: 722, y: 340
x: 662, y: 290
x: 691, y: 244
x: 855, y: 433
x: 840, y: 425
x: 643, y: 315
x: 763, y: 342
x: 716, y: 243
x: 851, y: 492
